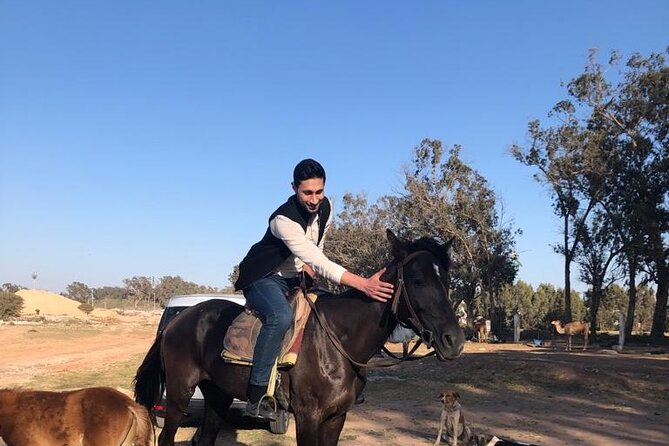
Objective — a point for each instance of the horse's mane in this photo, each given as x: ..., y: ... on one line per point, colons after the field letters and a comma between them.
x: 437, y: 248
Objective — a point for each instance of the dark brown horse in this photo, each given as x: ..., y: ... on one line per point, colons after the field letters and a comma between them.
x: 87, y: 417
x: 324, y: 383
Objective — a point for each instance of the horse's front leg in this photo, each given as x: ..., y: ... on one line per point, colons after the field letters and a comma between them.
x: 307, y: 427
x: 328, y: 434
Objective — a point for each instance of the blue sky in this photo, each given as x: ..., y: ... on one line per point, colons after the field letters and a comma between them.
x: 155, y: 138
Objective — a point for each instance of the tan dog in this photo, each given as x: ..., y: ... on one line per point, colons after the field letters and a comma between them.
x: 452, y: 419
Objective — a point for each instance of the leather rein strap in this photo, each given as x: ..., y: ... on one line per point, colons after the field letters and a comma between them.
x: 400, y: 290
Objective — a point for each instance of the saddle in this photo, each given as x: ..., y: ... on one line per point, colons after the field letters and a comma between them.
x: 240, y: 339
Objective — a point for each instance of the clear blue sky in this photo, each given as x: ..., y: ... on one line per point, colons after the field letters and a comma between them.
x: 155, y: 138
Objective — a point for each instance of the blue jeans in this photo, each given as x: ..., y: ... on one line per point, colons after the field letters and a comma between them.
x: 268, y: 297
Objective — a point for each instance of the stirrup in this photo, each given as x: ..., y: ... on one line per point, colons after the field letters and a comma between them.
x: 257, y: 411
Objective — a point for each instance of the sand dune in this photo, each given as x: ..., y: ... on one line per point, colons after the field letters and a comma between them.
x: 48, y: 303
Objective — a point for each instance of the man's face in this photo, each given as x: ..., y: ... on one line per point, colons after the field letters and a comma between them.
x: 310, y: 193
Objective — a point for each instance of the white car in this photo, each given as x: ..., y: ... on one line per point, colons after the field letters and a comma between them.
x: 195, y: 411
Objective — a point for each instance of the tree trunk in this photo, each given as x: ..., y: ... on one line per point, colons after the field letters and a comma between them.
x: 660, y: 313
x: 595, y: 300
x: 497, y: 314
x: 631, y: 305
x: 567, y: 271
x: 471, y: 306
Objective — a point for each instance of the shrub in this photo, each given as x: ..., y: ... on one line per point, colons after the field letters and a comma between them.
x: 86, y: 308
x: 10, y: 305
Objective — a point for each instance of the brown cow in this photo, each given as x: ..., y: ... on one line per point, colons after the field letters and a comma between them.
x: 87, y: 417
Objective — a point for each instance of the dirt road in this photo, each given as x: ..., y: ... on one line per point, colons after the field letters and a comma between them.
x: 41, y: 350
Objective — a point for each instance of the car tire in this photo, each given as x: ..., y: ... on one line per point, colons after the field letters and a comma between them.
x: 280, y: 426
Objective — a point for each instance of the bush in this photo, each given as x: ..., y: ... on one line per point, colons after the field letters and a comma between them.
x: 86, y: 308
x: 10, y: 305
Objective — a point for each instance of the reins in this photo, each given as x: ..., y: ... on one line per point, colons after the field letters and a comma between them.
x: 400, y: 290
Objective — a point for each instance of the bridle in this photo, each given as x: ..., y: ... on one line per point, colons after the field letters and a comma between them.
x: 400, y: 291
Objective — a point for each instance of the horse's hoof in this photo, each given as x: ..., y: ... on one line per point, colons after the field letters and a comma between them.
x: 360, y: 399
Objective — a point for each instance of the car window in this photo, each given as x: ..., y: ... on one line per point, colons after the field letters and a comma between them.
x: 168, y: 315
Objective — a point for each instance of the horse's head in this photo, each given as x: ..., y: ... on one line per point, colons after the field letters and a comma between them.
x: 421, y: 299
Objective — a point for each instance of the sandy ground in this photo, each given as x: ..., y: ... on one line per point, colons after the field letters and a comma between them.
x: 543, y: 396
x: 29, y: 351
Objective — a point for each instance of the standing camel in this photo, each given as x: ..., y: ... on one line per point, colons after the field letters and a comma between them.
x: 481, y: 329
x: 571, y: 329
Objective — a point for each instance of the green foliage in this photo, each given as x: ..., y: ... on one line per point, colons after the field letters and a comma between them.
x: 357, y: 240
x: 445, y: 197
x: 10, y: 305
x: 79, y: 292
x: 616, y: 301
x: 86, y: 308
x: 11, y: 287
x: 174, y: 285
x: 538, y: 307
x: 108, y: 293
x: 232, y: 277
x: 140, y: 289
x: 605, y: 154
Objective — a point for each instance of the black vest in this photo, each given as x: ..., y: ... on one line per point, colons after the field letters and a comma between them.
x: 270, y: 251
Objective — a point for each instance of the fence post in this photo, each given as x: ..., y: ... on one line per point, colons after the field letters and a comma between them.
x: 516, y: 328
x: 621, y: 330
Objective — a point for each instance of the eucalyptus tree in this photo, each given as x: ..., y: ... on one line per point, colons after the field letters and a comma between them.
x: 169, y: 286
x: 9, y: 287
x: 116, y: 294
x: 443, y: 196
x: 139, y: 289
x: 631, y: 117
x: 357, y: 239
x: 78, y: 291
x: 518, y: 298
x: 596, y: 258
x: 557, y: 152
x: 610, y: 149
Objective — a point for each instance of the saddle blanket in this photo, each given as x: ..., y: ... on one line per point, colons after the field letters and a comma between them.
x: 240, y: 339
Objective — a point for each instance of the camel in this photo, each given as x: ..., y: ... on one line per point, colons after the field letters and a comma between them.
x: 480, y: 329
x: 571, y: 329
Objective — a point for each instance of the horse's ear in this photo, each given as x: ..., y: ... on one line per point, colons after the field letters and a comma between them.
x: 397, y: 246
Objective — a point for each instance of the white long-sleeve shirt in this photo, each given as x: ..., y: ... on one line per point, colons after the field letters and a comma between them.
x: 305, y: 247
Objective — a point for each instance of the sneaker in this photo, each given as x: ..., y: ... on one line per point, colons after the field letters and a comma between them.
x: 262, y: 410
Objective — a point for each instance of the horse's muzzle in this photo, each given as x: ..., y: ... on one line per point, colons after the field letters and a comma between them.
x: 450, y: 345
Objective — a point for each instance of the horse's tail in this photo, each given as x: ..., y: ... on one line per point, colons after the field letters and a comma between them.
x: 144, y: 431
x: 149, y: 381
x: 140, y: 430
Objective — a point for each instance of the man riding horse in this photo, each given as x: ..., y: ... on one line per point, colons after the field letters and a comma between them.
x: 293, y: 243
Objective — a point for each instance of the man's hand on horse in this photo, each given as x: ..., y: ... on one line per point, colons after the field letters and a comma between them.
x: 377, y: 289
x: 309, y: 270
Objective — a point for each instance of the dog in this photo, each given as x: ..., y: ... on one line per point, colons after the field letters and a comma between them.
x: 452, y: 420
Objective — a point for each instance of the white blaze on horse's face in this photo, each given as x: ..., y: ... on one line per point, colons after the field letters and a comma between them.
x: 436, y: 269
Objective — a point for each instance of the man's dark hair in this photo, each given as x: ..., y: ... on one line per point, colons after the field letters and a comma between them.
x: 307, y: 169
